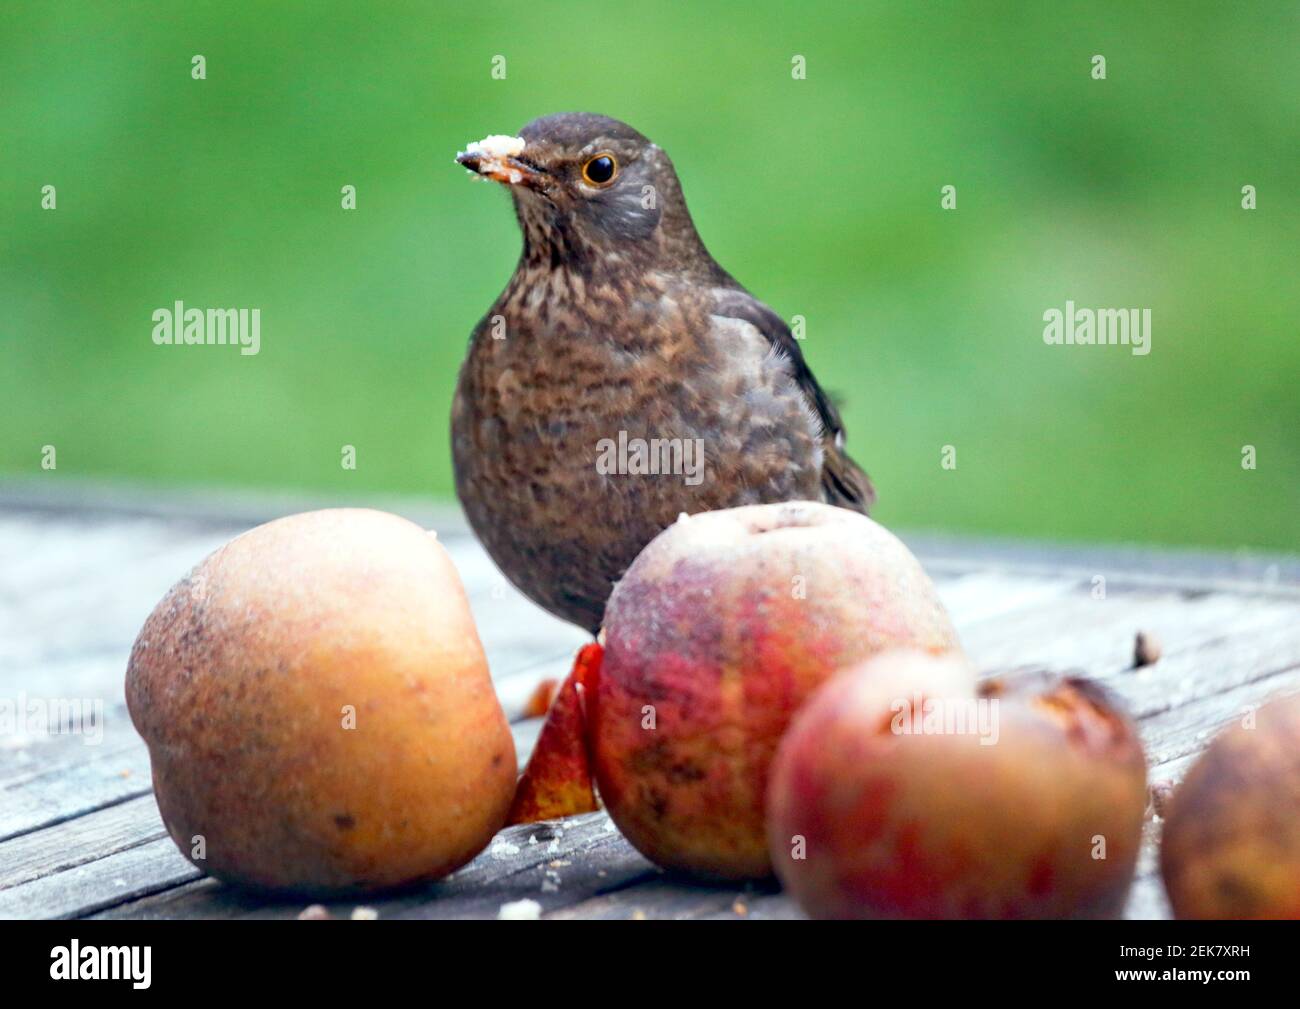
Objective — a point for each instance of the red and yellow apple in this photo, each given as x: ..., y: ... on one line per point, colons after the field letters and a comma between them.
x: 901, y: 791
x: 714, y: 637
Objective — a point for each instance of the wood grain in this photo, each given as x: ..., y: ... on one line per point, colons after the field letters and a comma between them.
x: 81, y: 566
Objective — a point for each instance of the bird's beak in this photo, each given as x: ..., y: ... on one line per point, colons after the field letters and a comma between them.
x: 503, y: 162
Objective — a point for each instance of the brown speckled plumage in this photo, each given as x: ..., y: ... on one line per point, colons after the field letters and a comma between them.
x: 618, y: 320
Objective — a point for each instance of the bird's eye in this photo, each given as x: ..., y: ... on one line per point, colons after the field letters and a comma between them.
x: 600, y: 170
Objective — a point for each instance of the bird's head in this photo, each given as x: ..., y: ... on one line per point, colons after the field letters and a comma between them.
x: 587, y: 185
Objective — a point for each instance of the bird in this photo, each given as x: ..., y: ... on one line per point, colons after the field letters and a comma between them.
x: 622, y: 378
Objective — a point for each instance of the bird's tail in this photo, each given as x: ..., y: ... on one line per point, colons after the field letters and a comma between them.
x: 844, y: 483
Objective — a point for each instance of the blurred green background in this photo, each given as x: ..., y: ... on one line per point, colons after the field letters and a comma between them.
x: 821, y: 195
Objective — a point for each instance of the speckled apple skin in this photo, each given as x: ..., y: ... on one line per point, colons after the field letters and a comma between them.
x: 238, y: 683
x: 941, y: 826
x: 722, y: 626
x: 1231, y: 842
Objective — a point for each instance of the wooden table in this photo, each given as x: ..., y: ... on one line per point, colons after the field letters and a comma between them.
x: 81, y: 567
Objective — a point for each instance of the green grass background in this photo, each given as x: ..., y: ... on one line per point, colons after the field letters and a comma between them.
x: 821, y: 195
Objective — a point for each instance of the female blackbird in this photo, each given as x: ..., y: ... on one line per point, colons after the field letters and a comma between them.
x: 623, y: 377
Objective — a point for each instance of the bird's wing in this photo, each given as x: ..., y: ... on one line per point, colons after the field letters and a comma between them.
x: 843, y: 481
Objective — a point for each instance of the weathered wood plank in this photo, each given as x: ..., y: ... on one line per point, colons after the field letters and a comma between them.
x: 667, y: 897
x: 554, y: 864
x: 31, y: 757
x: 105, y: 882
x: 1097, y: 635
x: 1147, y: 898
x: 1210, y: 674
x: 1228, y: 570
x: 1244, y: 570
x: 60, y: 549
x: 94, y: 616
x: 98, y: 612
x: 1179, y: 734
x: 76, y: 842
x: 989, y: 597
x: 73, y: 788
x: 51, y: 496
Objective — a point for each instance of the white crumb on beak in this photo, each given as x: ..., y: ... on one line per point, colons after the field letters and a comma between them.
x: 520, y: 910
x: 494, y: 154
x: 497, y: 146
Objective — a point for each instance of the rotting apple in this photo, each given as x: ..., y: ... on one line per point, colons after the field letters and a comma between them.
x: 901, y: 792
x: 1231, y: 842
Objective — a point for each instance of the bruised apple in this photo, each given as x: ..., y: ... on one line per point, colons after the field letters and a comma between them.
x: 715, y: 635
x: 901, y: 792
x: 1231, y: 844
x: 318, y: 709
